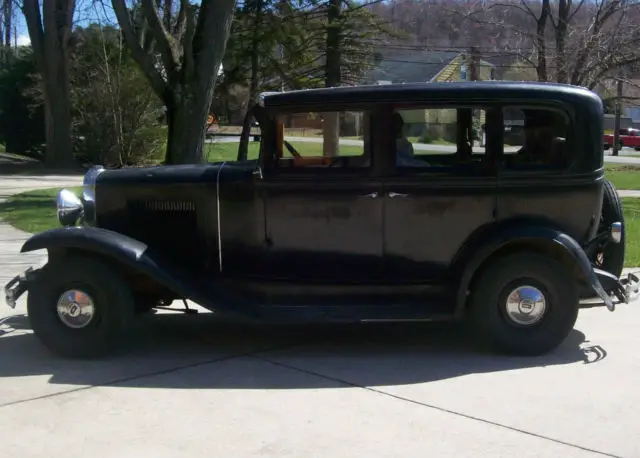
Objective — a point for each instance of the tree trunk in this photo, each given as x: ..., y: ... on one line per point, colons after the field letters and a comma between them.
x: 541, y: 27
x: 331, y: 134
x: 243, y: 150
x: 187, y: 127
x: 59, y: 152
x: 49, y: 33
x: 8, y: 25
x: 333, y: 77
x: 562, y: 72
x: 255, y: 74
x: 57, y: 89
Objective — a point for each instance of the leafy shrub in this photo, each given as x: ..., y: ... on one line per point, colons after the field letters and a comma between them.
x: 21, y: 110
x: 117, y: 116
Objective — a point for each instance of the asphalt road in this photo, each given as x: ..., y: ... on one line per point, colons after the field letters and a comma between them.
x: 192, y: 387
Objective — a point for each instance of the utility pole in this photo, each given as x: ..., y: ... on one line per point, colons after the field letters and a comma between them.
x: 474, y: 75
x: 616, y: 124
x: 474, y: 64
x: 333, y: 75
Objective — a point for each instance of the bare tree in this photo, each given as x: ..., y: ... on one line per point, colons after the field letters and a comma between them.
x: 50, y: 33
x: 350, y: 31
x: 7, y: 25
x: 603, y: 43
x: 115, y: 109
x: 257, y: 8
x: 569, y: 42
x: 181, y: 61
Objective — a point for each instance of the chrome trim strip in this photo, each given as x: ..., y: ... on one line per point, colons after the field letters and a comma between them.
x: 218, y: 210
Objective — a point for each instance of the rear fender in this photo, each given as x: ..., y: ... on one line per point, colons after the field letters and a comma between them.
x: 137, y: 256
x: 525, y: 237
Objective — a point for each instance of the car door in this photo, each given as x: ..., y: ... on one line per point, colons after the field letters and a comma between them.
x: 323, y: 215
x: 436, y: 199
x: 545, y: 170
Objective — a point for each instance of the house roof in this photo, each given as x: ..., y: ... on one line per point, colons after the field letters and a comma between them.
x: 409, y: 66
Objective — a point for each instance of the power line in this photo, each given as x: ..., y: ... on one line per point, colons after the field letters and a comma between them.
x: 489, y: 51
x: 437, y: 62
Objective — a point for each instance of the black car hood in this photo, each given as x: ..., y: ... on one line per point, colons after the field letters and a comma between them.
x: 188, y: 173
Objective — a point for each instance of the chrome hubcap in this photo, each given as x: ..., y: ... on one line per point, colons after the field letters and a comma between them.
x: 526, y: 305
x: 75, y: 308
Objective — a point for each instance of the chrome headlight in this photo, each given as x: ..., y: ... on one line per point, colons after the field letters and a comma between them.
x: 68, y: 207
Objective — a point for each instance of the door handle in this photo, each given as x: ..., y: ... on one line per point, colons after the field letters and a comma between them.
x: 371, y: 195
x: 396, y: 194
x: 257, y: 173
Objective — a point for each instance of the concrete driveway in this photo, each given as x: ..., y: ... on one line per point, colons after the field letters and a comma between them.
x: 192, y: 387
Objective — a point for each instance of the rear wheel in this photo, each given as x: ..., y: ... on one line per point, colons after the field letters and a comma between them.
x: 524, y: 304
x: 610, y: 256
x: 79, y: 307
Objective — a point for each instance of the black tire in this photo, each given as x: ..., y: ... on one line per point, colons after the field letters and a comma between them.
x: 611, y: 256
x: 112, y: 299
x: 142, y: 309
x: 144, y: 305
x: 637, y: 148
x: 487, y: 306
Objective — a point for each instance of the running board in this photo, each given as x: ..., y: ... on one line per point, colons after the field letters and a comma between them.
x: 354, y: 313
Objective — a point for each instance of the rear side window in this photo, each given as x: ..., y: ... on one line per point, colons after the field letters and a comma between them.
x: 432, y: 138
x: 536, y: 138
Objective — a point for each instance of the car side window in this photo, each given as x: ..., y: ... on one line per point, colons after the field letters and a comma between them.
x: 323, y: 140
x: 536, y: 139
x: 433, y: 138
x: 224, y: 143
x: 253, y: 150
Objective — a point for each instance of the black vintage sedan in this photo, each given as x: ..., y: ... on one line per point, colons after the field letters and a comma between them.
x: 408, y: 202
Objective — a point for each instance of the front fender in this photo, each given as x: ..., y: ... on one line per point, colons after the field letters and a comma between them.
x: 137, y: 256
x: 102, y: 241
x: 510, y: 238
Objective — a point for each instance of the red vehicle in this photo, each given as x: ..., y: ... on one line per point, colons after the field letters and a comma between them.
x: 628, y: 137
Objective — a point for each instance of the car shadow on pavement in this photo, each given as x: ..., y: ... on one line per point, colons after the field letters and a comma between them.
x: 168, y: 348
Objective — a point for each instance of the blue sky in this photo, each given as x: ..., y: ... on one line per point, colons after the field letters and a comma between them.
x: 87, y: 11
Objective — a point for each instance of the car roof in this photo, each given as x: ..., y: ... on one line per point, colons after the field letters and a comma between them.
x: 472, y: 90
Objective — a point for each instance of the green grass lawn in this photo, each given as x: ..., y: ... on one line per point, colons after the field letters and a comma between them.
x: 228, y: 151
x: 623, y: 176
x: 631, y: 208
x: 35, y: 211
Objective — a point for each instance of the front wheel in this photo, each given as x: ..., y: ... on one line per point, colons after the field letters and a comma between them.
x: 79, y: 307
x: 524, y: 304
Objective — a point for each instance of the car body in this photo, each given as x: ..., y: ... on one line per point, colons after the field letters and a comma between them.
x: 391, y: 212
x: 628, y: 138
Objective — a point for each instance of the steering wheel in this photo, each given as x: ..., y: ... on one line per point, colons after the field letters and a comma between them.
x: 294, y: 152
